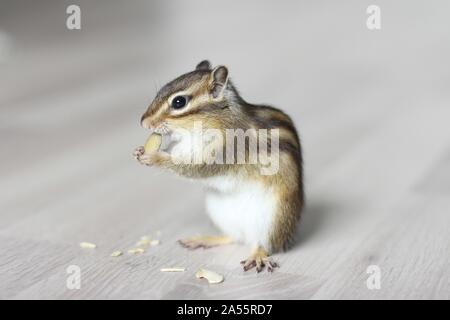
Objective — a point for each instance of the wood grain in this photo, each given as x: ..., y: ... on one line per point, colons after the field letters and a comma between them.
x: 372, y: 109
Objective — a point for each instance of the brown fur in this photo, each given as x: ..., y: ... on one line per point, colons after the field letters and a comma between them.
x: 229, y: 110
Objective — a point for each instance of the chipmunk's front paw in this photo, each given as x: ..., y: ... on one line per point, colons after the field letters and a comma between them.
x: 153, y: 158
x: 140, y: 155
x: 146, y: 159
x: 139, y: 151
x: 259, y: 259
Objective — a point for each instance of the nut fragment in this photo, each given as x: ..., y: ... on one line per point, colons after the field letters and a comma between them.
x: 116, y: 254
x: 154, y: 242
x: 136, y: 251
x: 173, y: 269
x: 87, y: 245
x: 144, y: 242
x: 153, y: 143
x: 209, y: 275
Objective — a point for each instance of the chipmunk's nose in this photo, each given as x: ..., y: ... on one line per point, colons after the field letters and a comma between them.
x: 146, y: 122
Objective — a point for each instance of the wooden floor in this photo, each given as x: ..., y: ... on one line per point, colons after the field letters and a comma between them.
x: 372, y: 108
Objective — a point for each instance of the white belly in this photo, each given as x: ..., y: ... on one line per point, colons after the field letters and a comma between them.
x: 243, y: 210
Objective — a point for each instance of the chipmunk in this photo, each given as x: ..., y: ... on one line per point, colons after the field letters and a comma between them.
x: 249, y: 207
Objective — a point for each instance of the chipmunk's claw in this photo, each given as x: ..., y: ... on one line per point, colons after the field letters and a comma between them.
x: 142, y: 157
x: 139, y: 151
x: 272, y: 265
x: 249, y: 264
x: 145, y: 159
x: 259, y: 260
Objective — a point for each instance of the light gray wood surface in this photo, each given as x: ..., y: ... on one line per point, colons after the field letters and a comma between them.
x: 372, y: 108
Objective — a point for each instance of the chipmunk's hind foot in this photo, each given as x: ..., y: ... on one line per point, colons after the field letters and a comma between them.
x: 259, y: 259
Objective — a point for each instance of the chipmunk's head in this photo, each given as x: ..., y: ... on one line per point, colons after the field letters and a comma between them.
x: 200, y: 95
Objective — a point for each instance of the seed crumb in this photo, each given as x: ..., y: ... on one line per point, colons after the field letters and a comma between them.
x: 136, y: 251
x: 116, y: 254
x: 144, y: 242
x: 88, y: 245
x: 154, y: 242
x: 173, y: 269
x: 211, y: 276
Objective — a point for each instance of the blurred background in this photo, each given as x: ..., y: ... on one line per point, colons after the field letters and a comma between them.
x: 372, y: 108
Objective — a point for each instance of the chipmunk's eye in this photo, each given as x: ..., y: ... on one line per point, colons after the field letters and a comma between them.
x: 179, y: 102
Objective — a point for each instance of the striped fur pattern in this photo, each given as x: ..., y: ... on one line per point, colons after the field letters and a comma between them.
x: 213, y: 100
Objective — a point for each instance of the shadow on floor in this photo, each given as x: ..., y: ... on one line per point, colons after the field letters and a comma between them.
x: 316, y: 212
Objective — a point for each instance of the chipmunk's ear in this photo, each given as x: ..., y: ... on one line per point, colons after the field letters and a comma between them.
x: 219, y: 77
x: 203, y: 65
